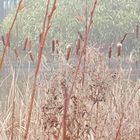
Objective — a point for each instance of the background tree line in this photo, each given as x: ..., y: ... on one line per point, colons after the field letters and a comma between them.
x: 6, y: 6
x: 112, y: 20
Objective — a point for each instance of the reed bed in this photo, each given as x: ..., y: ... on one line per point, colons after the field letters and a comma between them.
x: 69, y: 93
x: 105, y: 107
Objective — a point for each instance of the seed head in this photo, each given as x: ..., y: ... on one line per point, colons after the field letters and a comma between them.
x: 16, y: 52
x: 40, y: 37
x: 68, y: 51
x: 119, y: 48
x: 78, y: 46
x: 3, y: 40
x: 110, y: 52
x: 53, y: 46
x: 31, y: 56
x: 30, y: 45
x: 25, y: 43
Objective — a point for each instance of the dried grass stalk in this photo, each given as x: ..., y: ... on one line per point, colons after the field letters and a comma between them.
x: 41, y: 47
x: 7, y: 44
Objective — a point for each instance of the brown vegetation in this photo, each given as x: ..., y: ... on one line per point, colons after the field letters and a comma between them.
x: 70, y: 95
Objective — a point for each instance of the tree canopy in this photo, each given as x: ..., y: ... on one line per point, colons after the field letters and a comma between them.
x: 112, y: 20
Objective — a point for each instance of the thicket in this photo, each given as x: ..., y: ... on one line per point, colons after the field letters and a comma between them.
x: 112, y: 20
x: 58, y: 99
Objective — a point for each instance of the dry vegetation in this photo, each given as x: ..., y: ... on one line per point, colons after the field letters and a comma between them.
x: 71, y: 95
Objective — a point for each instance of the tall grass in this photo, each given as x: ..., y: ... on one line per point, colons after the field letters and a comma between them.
x: 71, y: 94
x: 106, y: 107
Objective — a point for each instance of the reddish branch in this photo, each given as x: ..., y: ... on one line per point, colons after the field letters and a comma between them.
x: 87, y: 30
x: 83, y: 49
x: 91, y: 16
x: 7, y: 41
x: 118, y: 132
x: 88, y: 26
x: 46, y: 26
x: 64, y: 122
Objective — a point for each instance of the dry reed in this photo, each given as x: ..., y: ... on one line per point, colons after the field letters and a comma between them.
x: 64, y: 107
x: 46, y: 27
x: 7, y: 41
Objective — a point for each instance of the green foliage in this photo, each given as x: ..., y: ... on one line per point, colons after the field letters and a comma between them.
x: 112, y: 19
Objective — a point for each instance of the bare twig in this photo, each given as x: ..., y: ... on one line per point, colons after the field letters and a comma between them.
x: 41, y: 47
x: 9, y: 34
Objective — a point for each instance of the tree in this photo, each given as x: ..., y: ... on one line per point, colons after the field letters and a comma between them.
x: 112, y: 20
